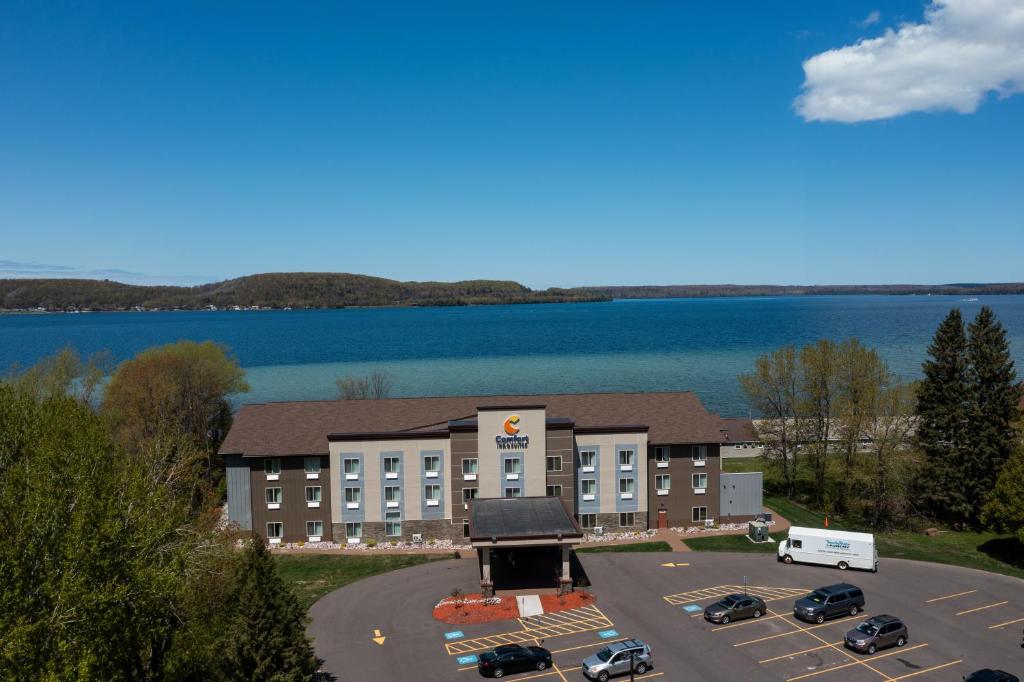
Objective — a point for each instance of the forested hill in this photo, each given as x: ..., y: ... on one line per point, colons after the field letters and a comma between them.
x: 275, y: 290
x: 705, y: 290
x: 339, y: 290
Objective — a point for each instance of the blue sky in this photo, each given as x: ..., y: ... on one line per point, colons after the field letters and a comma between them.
x: 556, y: 144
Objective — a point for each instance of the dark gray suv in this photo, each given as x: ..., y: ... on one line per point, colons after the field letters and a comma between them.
x: 735, y: 607
x: 877, y: 633
x: 828, y: 602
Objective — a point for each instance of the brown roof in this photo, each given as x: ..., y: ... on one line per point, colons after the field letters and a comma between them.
x: 301, y: 428
x: 739, y: 430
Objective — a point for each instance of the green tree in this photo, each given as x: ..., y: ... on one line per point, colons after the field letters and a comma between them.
x: 176, y: 391
x: 93, y: 556
x: 943, y: 407
x: 1004, y: 510
x: 64, y: 373
x: 266, y: 639
x: 994, y: 396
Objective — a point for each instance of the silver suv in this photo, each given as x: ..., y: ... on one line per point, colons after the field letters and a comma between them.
x: 615, y: 659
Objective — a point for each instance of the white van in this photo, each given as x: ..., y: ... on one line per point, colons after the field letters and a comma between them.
x: 830, y: 548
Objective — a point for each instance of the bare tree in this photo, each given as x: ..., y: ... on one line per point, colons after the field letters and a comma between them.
x: 374, y: 386
x: 772, y: 389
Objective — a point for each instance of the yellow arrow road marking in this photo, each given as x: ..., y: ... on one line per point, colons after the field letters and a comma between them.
x: 672, y: 564
x: 378, y: 638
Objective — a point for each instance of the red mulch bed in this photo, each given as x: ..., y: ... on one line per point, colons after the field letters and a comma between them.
x: 474, y: 610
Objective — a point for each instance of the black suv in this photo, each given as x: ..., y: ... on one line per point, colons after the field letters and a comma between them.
x: 512, y: 658
x: 828, y: 602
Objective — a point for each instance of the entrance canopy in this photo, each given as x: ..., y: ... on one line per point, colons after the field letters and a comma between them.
x: 521, y: 521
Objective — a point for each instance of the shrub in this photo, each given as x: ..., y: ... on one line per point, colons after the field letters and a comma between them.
x: 371, y: 543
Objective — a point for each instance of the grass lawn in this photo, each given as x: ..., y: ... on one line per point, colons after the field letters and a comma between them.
x: 311, y: 577
x: 658, y: 546
x: 733, y: 543
x: 985, y: 551
x: 740, y: 465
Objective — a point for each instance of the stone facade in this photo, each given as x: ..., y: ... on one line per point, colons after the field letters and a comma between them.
x: 610, y: 523
x: 429, y: 530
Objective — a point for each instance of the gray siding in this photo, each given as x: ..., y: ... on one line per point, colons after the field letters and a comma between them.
x: 239, y: 494
x: 741, y: 495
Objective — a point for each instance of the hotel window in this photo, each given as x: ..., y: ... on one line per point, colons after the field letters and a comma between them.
x: 513, y: 492
x: 626, y: 519
x: 700, y: 514
x: 663, y: 482
x: 431, y: 464
x: 392, y: 493
x: 588, y: 458
x: 662, y: 455
x: 625, y: 458
x: 588, y: 486
x: 555, y: 463
x: 314, y: 529
x: 393, y: 524
x: 470, y: 467
x: 513, y: 466
x: 275, y: 530
x: 468, y: 494
x: 272, y: 467
x: 700, y: 454
x: 626, y: 486
x: 465, y: 528
x: 313, y: 494
x: 392, y: 465
x: 353, y: 530
x: 274, y: 496
x: 588, y: 520
x: 554, y: 491
x: 312, y: 465
x: 700, y: 481
x: 353, y: 497
x: 432, y: 493
x: 352, y: 468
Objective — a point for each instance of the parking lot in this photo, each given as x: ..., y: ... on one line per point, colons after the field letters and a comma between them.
x: 958, y: 619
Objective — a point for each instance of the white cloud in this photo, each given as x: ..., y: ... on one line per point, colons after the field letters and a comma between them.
x: 871, y: 19
x: 963, y: 50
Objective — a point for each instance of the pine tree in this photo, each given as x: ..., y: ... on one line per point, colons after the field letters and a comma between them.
x: 943, y: 400
x: 267, y: 640
x: 994, y: 395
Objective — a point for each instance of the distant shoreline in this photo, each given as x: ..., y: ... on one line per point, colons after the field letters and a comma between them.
x: 331, y: 291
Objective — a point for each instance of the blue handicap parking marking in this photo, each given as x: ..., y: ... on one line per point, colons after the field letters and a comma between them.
x: 690, y: 608
x: 605, y: 634
x: 466, y: 660
x: 454, y: 634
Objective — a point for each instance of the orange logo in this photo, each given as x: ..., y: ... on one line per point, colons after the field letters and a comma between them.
x: 510, y: 425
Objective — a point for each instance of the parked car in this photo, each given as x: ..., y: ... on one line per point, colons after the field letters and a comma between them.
x: 876, y: 633
x: 735, y: 607
x: 615, y: 659
x: 989, y: 675
x: 828, y: 602
x: 512, y: 658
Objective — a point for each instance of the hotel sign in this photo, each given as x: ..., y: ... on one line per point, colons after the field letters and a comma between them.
x: 512, y: 440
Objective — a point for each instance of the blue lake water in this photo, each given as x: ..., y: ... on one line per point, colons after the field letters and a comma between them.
x: 691, y: 344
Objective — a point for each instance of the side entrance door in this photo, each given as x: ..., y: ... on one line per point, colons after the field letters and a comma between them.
x: 662, y: 518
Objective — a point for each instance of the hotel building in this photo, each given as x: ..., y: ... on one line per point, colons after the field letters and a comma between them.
x: 354, y: 470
